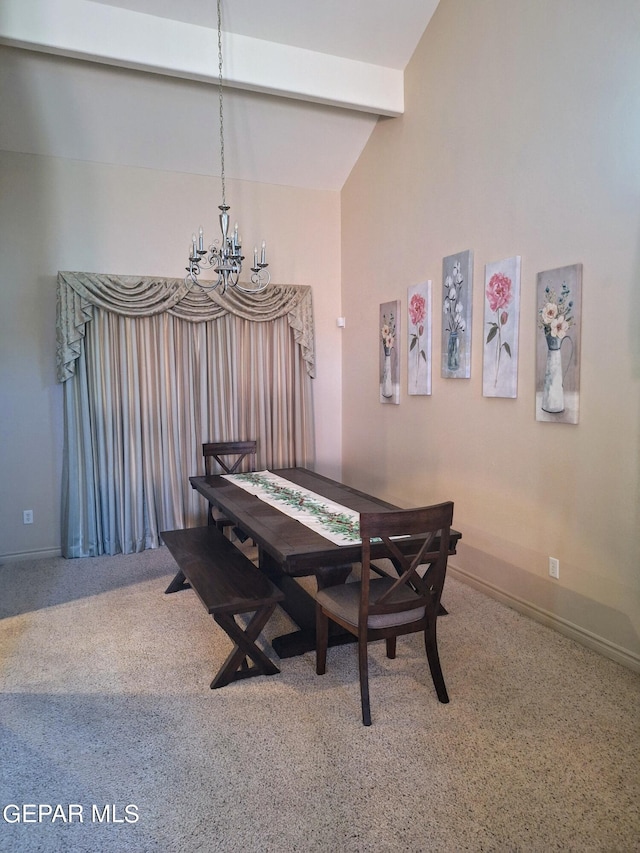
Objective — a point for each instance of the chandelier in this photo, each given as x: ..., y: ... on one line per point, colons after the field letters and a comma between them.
x: 225, y: 256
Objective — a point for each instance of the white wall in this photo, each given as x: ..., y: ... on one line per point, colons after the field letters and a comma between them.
x: 521, y: 137
x: 60, y: 214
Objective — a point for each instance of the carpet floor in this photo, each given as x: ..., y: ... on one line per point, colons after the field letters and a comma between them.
x: 106, y: 717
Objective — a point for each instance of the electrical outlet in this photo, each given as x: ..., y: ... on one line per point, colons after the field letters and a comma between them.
x: 554, y: 567
x: 27, y: 516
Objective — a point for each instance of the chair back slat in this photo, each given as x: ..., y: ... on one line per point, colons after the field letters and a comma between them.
x: 231, y: 456
x: 408, y: 568
x: 415, y: 531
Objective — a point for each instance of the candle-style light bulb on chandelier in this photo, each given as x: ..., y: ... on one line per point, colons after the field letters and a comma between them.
x: 225, y: 257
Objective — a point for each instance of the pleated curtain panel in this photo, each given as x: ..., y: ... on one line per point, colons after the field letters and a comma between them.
x: 151, y: 370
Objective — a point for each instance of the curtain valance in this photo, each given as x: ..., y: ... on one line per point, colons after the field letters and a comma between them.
x: 141, y: 296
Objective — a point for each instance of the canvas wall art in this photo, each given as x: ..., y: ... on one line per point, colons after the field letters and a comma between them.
x: 388, y: 344
x: 559, y: 311
x: 419, y: 346
x: 457, y: 281
x: 501, y: 323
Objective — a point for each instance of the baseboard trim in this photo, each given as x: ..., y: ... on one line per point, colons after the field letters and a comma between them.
x: 563, y: 626
x: 40, y: 554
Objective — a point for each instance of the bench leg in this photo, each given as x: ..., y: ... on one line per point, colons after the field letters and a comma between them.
x: 232, y: 669
x: 178, y: 583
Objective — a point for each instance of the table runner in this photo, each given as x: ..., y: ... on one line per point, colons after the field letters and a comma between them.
x: 335, y: 522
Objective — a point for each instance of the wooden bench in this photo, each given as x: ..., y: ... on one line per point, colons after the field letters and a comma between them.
x: 227, y: 583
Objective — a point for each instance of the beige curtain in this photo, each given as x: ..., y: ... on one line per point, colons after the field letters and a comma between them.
x: 148, y: 378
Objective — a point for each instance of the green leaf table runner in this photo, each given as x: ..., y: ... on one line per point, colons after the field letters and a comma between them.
x: 335, y: 522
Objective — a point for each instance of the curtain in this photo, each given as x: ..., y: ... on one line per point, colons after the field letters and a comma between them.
x: 149, y: 377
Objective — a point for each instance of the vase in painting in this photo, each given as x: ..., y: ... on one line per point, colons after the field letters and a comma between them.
x: 387, y: 388
x: 552, y: 389
x: 453, y: 351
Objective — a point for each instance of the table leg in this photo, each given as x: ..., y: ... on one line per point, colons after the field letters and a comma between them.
x: 301, y: 607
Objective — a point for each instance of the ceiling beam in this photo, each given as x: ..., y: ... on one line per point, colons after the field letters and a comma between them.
x: 108, y: 34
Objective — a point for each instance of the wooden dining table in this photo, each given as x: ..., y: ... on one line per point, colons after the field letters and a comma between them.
x: 288, y: 549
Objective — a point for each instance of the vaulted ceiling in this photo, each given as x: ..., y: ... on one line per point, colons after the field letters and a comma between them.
x: 134, y: 82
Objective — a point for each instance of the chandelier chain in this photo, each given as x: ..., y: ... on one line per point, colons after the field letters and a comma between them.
x: 220, y: 100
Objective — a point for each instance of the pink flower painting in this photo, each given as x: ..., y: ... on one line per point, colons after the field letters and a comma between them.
x: 499, y: 291
x: 499, y: 296
x: 419, y: 353
x: 501, y: 317
x: 417, y: 314
x: 417, y: 309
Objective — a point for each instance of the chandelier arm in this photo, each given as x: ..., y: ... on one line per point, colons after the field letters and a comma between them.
x: 260, y: 280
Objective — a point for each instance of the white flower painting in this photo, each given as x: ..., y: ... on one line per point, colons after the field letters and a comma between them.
x: 388, y: 343
x: 558, y: 344
x: 457, y: 279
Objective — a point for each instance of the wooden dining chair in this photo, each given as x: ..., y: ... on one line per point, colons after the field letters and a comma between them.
x: 230, y: 457
x: 389, y: 605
